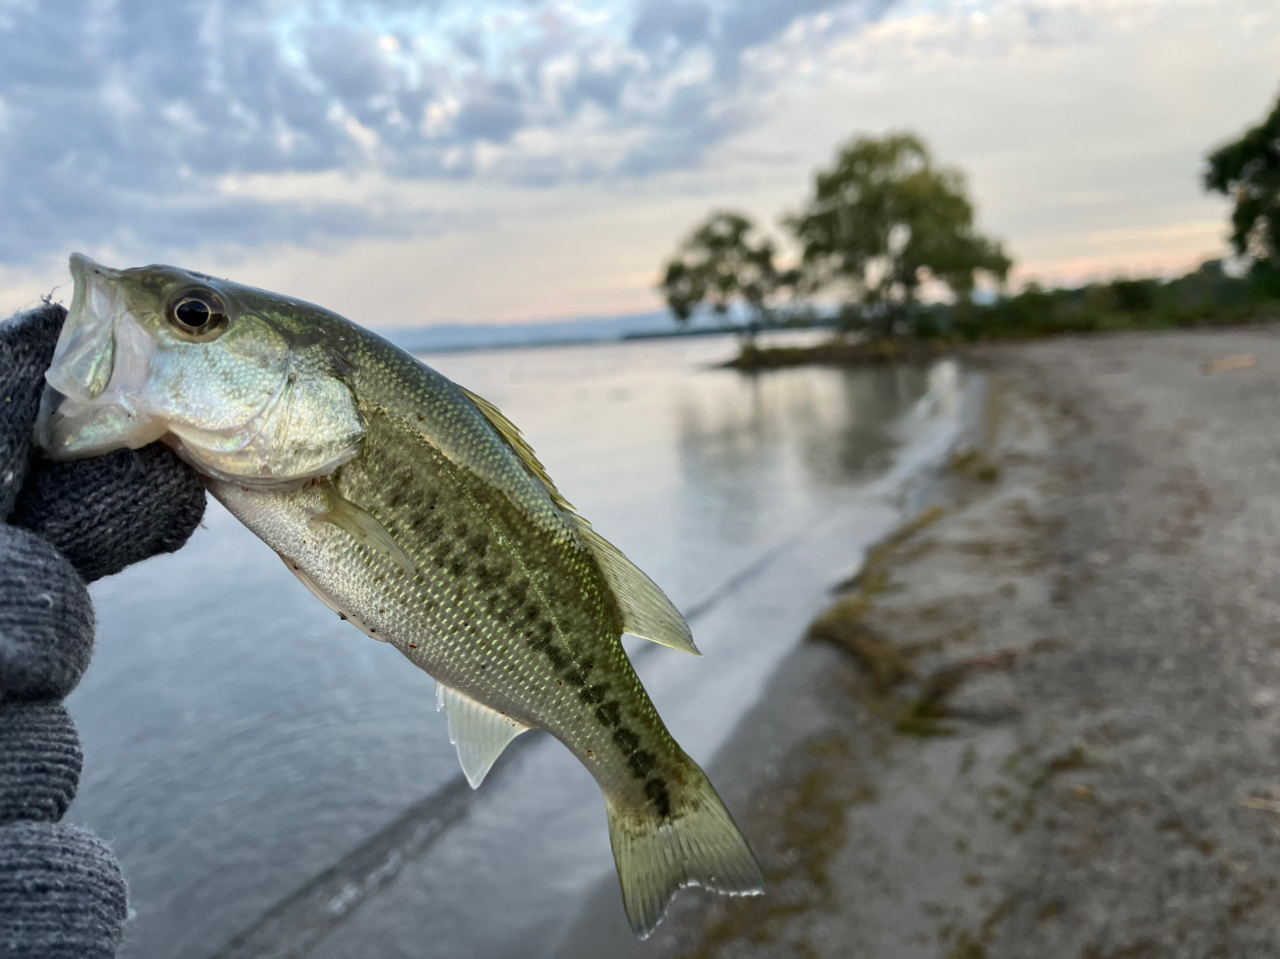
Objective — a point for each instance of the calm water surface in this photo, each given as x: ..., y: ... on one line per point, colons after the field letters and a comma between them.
x: 240, y: 739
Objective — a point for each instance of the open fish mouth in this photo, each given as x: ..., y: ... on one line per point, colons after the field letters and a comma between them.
x: 85, y: 354
x: 161, y: 353
x: 100, y: 363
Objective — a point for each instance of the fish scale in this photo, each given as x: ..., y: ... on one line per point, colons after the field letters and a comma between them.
x: 416, y: 510
x: 560, y: 682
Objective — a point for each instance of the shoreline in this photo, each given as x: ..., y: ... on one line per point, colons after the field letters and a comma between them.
x: 1042, y: 721
x: 841, y: 352
x: 917, y: 350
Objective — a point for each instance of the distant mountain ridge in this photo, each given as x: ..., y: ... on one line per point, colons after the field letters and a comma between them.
x: 465, y: 336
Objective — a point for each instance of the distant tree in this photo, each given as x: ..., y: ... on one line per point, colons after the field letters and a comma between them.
x: 882, y: 222
x: 723, y: 263
x: 1248, y: 170
x: 1134, y: 296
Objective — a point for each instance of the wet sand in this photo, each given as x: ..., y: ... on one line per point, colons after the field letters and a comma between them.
x: 1045, y: 719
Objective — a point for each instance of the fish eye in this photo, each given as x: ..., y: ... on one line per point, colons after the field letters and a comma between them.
x: 197, y: 312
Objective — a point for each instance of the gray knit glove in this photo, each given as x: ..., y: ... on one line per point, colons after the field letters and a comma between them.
x: 62, y: 894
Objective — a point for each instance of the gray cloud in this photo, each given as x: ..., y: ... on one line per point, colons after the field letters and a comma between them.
x: 493, y: 113
x: 119, y: 120
x: 662, y: 22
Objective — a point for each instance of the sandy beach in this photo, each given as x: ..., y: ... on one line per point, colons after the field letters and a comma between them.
x: 1044, y: 720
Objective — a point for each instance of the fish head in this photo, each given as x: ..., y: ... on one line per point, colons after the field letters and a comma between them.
x: 236, y: 380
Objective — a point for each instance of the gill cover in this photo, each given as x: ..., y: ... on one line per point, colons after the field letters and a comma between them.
x: 235, y: 396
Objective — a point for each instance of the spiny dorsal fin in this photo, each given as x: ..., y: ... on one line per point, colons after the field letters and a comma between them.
x: 510, y: 434
x: 646, y: 611
x: 363, y: 526
x: 480, y: 733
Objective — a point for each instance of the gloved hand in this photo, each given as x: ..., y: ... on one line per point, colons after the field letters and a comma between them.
x: 62, y: 525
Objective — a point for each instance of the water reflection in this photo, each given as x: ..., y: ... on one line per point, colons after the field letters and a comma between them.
x: 837, y: 420
x: 766, y: 449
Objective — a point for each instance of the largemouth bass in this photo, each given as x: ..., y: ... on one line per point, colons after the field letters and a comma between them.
x: 416, y: 511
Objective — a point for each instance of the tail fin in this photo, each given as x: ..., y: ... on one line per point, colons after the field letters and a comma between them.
x: 697, y: 845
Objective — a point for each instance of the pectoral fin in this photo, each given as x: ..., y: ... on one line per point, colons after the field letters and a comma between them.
x: 363, y: 526
x: 479, y: 732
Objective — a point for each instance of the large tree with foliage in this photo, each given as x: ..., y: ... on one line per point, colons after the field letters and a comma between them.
x: 883, y: 221
x: 724, y: 263
x: 1248, y: 170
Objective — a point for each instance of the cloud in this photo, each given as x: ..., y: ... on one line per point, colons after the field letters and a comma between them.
x: 1082, y: 126
x: 118, y: 121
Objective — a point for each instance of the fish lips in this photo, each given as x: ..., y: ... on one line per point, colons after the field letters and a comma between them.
x: 100, y: 361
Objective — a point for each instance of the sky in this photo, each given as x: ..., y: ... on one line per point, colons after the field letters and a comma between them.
x: 409, y: 162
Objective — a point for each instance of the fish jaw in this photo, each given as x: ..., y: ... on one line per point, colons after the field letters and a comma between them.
x: 86, y: 348
x: 101, y: 362
x: 245, y: 403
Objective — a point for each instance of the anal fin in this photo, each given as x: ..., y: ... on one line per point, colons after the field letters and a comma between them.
x: 480, y: 732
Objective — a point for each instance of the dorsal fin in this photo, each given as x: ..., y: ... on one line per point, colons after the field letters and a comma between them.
x: 510, y: 434
x: 646, y: 611
x: 480, y: 732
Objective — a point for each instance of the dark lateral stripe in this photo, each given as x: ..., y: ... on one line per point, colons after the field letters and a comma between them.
x: 610, y: 713
x: 656, y: 790
x: 641, y: 762
x: 627, y: 741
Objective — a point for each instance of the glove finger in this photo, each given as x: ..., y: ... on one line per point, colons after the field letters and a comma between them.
x: 40, y: 762
x: 26, y: 350
x: 110, y: 511
x: 62, y: 895
x: 46, y: 620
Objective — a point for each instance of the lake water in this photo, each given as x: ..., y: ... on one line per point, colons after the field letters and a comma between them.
x: 277, y: 784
